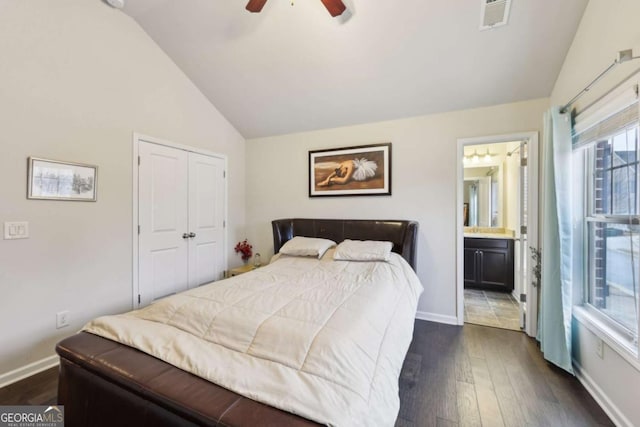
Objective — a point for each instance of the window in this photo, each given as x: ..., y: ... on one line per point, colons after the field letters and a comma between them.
x: 611, y: 218
x: 613, y: 233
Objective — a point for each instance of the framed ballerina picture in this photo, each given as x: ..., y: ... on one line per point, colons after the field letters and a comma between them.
x: 351, y: 171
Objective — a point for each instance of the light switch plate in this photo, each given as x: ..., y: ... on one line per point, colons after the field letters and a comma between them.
x: 16, y: 230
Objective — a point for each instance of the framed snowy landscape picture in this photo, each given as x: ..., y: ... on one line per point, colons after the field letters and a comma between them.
x: 351, y: 171
x: 56, y: 180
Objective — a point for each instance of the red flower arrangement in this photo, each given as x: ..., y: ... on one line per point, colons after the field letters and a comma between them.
x: 245, y: 248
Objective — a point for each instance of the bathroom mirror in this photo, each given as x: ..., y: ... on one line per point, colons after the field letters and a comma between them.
x: 492, y: 184
x: 478, y: 196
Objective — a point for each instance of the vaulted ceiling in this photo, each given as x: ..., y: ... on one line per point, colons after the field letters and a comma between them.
x: 294, y: 68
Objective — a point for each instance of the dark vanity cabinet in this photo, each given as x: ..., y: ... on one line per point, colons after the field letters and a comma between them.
x: 488, y: 264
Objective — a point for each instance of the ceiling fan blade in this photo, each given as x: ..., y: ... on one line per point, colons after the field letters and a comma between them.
x: 335, y: 7
x: 255, y: 5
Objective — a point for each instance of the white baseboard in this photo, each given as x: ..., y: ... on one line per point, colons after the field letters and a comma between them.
x: 601, y: 397
x: 28, y: 370
x: 438, y: 318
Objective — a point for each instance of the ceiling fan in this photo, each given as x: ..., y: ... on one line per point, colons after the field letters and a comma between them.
x: 335, y: 7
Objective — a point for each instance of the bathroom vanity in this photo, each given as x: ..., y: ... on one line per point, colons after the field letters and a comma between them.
x: 488, y: 261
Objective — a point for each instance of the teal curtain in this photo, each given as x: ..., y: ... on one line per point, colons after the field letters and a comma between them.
x: 554, y: 327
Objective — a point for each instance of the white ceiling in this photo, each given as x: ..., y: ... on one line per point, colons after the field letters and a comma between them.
x: 294, y: 68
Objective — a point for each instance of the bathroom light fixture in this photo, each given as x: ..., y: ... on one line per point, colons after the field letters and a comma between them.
x: 471, y: 158
x: 487, y: 157
x: 475, y: 158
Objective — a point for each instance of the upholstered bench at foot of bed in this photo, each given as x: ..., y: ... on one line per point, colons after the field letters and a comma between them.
x: 145, y: 391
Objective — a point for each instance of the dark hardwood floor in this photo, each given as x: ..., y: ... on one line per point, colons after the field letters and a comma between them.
x: 40, y: 389
x: 452, y: 376
x: 482, y: 376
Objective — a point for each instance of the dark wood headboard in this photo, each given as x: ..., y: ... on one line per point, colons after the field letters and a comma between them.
x: 403, y: 234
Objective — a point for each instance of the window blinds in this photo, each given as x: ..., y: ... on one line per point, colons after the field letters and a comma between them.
x: 606, y: 118
x: 619, y: 121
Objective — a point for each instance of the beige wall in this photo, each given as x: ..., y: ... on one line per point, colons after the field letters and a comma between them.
x: 77, y: 79
x: 424, y: 183
x: 606, y: 27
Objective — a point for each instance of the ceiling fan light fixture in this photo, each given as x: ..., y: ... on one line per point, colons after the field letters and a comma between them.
x: 335, y: 7
x: 117, y: 4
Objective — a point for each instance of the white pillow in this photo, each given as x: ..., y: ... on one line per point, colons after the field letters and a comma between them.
x: 363, y: 250
x: 307, y: 246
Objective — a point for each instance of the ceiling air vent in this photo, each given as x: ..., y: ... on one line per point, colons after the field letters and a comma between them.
x: 494, y: 13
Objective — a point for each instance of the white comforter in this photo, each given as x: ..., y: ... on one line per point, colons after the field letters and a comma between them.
x: 320, y: 338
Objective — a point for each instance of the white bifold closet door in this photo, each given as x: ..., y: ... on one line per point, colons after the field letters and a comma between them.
x: 206, y: 219
x: 181, y: 220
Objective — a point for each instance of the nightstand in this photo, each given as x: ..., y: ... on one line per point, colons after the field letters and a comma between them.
x: 239, y: 270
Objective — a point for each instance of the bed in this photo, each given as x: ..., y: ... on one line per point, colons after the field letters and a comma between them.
x: 105, y: 382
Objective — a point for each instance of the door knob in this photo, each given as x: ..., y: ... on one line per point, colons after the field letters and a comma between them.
x: 192, y: 234
x: 185, y: 235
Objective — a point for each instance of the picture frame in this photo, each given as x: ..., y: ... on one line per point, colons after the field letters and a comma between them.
x: 59, y: 180
x: 363, y: 170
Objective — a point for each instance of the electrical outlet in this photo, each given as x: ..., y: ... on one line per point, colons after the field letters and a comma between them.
x: 600, y: 348
x: 62, y: 319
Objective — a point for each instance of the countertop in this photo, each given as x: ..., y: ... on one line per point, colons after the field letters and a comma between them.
x: 489, y: 236
x: 488, y: 233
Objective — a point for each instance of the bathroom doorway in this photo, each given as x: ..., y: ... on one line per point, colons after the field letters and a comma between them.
x: 497, y: 225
